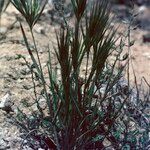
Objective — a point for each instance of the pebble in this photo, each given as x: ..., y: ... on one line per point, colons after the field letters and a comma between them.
x: 3, y: 30
x: 6, y: 103
x: 147, y: 55
x: 143, y: 18
x: 40, y: 30
x: 141, y: 9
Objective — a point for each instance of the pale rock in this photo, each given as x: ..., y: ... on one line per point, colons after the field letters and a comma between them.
x: 6, y: 103
x: 40, y: 149
x: 40, y: 30
x: 147, y: 55
x: 3, y: 30
x: 142, y: 9
x: 50, y: 2
x: 42, y: 102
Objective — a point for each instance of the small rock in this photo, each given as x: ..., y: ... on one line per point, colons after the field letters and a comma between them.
x: 50, y: 2
x: 146, y: 38
x: 42, y: 103
x: 142, y: 9
x: 6, y: 103
x: 3, y: 30
x: 40, y: 30
x: 40, y: 149
x: 147, y: 55
x: 143, y: 18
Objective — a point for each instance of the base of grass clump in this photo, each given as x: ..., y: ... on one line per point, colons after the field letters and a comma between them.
x: 129, y: 130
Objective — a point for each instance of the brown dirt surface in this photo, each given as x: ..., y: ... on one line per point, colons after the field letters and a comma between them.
x: 14, y: 76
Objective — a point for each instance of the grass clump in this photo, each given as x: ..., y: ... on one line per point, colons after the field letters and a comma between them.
x: 82, y: 111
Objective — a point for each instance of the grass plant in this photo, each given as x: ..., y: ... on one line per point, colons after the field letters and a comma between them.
x: 83, y: 110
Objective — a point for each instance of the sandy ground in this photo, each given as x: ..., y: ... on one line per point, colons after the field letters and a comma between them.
x: 12, y: 44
